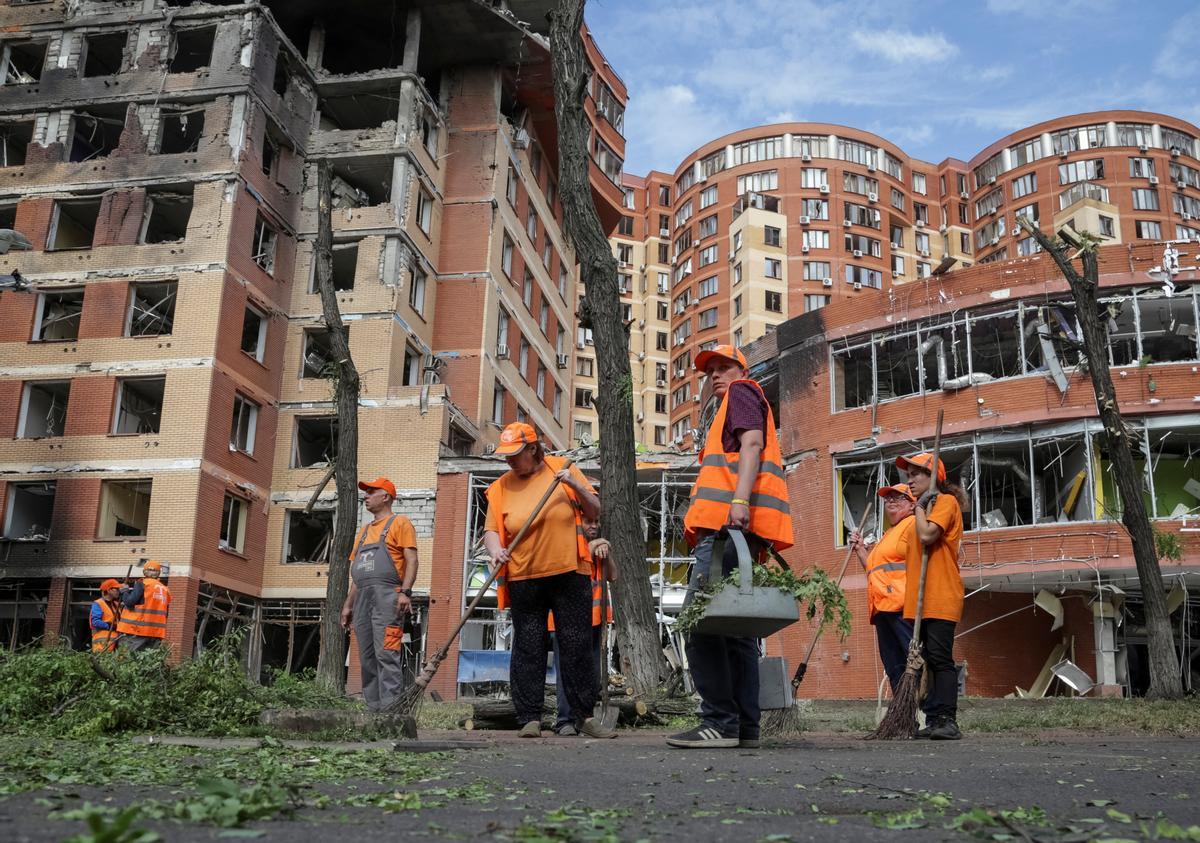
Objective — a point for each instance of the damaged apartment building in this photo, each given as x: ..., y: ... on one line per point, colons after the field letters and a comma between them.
x: 167, y: 371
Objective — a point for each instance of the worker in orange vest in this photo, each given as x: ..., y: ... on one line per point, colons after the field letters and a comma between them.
x: 740, y: 485
x: 604, y: 570
x: 143, y: 623
x: 104, y: 616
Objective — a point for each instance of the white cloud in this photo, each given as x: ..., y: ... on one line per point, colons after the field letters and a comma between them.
x: 1042, y: 9
x: 1179, y: 58
x: 901, y: 47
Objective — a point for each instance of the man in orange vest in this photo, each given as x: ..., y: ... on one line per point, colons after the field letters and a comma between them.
x: 740, y: 485
x: 885, y: 566
x: 143, y: 623
x: 104, y: 616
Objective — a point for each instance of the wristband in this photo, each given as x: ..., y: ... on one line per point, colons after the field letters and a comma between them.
x: 742, y: 502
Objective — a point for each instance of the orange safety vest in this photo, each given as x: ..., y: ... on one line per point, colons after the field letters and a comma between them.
x: 886, y: 569
x: 495, y: 496
x: 713, y: 491
x: 148, y: 618
x: 105, y: 640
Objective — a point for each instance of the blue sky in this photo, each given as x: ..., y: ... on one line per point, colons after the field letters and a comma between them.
x: 939, y: 79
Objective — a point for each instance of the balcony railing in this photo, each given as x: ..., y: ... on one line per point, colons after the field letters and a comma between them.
x: 1082, y: 190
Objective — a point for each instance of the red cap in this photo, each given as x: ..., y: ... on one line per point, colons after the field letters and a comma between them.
x: 107, y: 584
x: 728, y: 352
x: 924, y: 461
x: 514, y: 438
x: 899, y: 488
x: 379, y: 483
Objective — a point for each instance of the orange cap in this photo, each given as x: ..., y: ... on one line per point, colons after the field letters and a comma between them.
x: 379, y: 483
x: 151, y: 565
x: 728, y: 352
x: 899, y: 488
x: 514, y: 438
x: 107, y: 584
x: 924, y: 461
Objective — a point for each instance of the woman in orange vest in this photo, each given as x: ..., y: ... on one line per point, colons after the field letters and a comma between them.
x: 104, y: 616
x: 939, y: 527
x: 740, y: 484
x: 549, y: 570
x: 885, y: 566
x: 143, y: 623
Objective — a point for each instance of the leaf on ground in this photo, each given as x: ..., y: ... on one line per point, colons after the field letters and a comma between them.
x: 1100, y: 803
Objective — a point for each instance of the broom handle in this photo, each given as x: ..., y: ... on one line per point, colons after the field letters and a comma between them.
x: 445, y: 648
x: 812, y: 645
x: 937, y: 447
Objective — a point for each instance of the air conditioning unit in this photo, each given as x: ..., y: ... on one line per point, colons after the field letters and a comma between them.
x: 1181, y: 184
x: 805, y: 219
x: 858, y: 285
x: 872, y: 197
x: 521, y: 139
x: 870, y: 168
x: 678, y: 440
x: 846, y: 223
x: 964, y: 195
x: 992, y: 212
x: 1062, y: 153
x: 696, y: 398
x: 824, y: 188
x: 1143, y: 147
x: 641, y: 417
x: 1174, y: 152
x: 502, y: 352
x: 664, y: 232
x: 679, y: 373
x: 695, y: 302
x: 1187, y: 216
x: 804, y: 248
x: 661, y: 383
x: 561, y: 360
x: 489, y: 448
x: 624, y: 264
x: 826, y: 282
x: 895, y: 273
x: 942, y: 229
x: 806, y: 157
x: 919, y: 223
x: 579, y: 344
x: 897, y: 245
x: 924, y: 253
x: 996, y: 240
x: 641, y: 323
x: 858, y: 253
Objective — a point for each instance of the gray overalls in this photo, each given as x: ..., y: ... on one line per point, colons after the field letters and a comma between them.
x: 375, y: 576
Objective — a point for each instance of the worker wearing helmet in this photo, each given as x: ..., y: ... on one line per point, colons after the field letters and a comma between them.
x: 104, y: 616
x: 143, y: 623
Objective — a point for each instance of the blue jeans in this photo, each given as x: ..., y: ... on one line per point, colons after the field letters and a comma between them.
x: 560, y: 692
x: 724, y: 668
x: 894, y: 635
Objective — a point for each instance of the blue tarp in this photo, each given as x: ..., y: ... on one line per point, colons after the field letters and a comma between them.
x: 488, y: 666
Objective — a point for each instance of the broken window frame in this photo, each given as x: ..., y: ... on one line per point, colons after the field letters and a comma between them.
x: 260, y: 346
x: 56, y: 221
x: 330, y: 452
x: 1071, y: 496
x: 418, y: 280
x: 244, y: 424
x: 1147, y: 336
x: 85, y: 53
x: 131, y: 406
x: 235, y: 512
x: 160, y: 199
x: 55, y: 415
x: 173, y: 50
x: 9, y: 129
x: 185, y: 114
x: 338, y: 282
x: 309, y: 344
x: 323, y: 545
x: 10, y: 74
x: 138, y: 489
x: 98, y: 121
x: 1015, y: 447
x: 1064, y: 333
x: 14, y: 494
x: 159, y: 311
x: 265, y: 247
x: 59, y: 321
x: 1158, y: 432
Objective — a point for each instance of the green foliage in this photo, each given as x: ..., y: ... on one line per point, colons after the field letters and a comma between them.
x: 1167, y: 545
x: 813, y: 588
x: 113, y: 827
x: 56, y: 691
x: 226, y: 803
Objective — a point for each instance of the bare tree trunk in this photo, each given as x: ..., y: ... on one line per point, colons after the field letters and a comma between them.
x: 642, y: 659
x: 1165, y: 681
x: 332, y: 660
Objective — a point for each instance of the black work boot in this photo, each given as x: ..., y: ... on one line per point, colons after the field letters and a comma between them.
x: 945, y: 730
x: 931, y: 722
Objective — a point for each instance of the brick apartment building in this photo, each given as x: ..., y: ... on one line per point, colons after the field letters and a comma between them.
x: 166, y: 372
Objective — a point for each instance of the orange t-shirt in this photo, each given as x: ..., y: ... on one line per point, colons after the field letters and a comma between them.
x: 550, y: 547
x: 400, y: 536
x: 943, y: 584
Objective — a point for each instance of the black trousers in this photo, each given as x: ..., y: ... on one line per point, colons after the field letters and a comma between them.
x: 937, y: 648
x: 569, y: 595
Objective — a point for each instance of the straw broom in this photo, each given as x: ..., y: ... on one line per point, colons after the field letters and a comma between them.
x: 901, y: 717
x: 410, y: 700
x: 787, y: 721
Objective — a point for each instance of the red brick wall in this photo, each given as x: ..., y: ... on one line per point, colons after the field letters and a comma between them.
x: 90, y: 406
x: 446, y: 583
